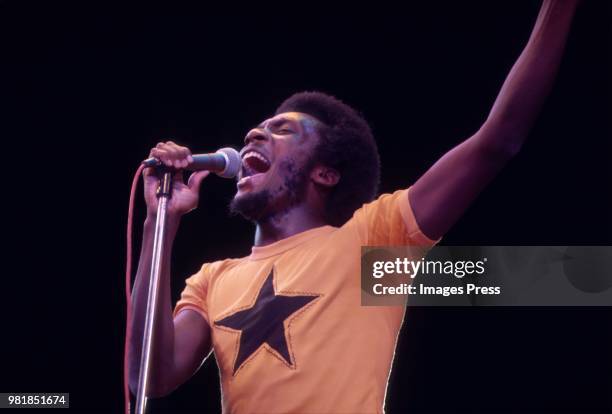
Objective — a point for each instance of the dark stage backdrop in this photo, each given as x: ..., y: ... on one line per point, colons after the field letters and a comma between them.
x: 88, y: 88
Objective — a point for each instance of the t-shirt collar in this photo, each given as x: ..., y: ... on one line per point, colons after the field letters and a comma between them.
x: 262, y: 252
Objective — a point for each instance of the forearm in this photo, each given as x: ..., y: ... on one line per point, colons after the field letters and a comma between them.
x: 446, y: 190
x: 162, y: 357
x: 530, y: 79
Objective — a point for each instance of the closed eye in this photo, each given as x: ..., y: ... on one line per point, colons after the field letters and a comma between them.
x: 282, y: 127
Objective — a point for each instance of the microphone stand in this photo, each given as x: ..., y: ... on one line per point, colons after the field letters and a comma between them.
x: 164, y: 192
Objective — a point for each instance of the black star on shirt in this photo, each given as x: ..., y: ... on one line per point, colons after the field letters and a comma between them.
x: 263, y: 322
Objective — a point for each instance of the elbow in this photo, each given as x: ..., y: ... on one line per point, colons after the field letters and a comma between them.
x: 158, y: 384
x: 501, y: 144
x: 159, y: 392
x: 132, y: 375
x: 508, y: 149
x: 154, y: 388
x: 152, y: 391
x: 133, y: 386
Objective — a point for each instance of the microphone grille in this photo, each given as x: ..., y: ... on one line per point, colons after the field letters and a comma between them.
x: 234, y: 163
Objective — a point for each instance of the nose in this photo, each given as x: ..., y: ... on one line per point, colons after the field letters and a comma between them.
x: 255, y: 135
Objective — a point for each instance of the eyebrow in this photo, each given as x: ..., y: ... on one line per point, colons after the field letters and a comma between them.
x: 276, y: 122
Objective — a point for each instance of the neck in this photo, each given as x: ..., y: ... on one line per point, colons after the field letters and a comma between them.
x: 286, y: 224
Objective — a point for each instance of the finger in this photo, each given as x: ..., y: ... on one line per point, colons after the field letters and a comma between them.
x: 158, y: 152
x: 180, y: 163
x: 195, y: 180
x: 163, y: 155
x: 171, y: 150
x: 178, y: 150
x: 180, y: 157
x: 167, y: 159
x: 162, y: 148
x: 149, y: 172
x: 168, y: 147
x: 185, y: 152
x: 155, y: 150
x: 186, y: 159
x: 176, y: 153
x: 172, y: 155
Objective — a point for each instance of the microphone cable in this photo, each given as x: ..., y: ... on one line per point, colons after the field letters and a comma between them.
x: 128, y: 291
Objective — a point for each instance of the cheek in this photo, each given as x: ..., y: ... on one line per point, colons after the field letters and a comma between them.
x: 286, y: 168
x: 302, y: 155
x: 291, y: 161
x: 284, y: 178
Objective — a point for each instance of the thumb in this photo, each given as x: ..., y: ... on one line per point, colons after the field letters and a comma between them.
x: 148, y: 172
x: 196, y: 178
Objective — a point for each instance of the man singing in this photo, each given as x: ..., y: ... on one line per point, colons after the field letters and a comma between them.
x: 285, y: 323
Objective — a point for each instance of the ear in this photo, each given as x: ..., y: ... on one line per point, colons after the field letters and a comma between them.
x: 325, y: 176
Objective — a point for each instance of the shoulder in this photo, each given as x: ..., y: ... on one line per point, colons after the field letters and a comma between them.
x: 217, y: 268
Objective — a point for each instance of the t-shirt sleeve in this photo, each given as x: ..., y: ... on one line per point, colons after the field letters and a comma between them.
x: 194, y: 295
x: 389, y: 221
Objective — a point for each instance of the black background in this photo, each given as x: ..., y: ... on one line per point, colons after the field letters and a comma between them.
x: 87, y: 89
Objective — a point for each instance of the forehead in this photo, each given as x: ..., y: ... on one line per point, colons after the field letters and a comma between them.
x: 295, y: 117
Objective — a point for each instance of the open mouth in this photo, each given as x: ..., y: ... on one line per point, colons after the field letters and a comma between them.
x: 253, y: 164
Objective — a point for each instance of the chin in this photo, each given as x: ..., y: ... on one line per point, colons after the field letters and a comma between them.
x: 251, y: 206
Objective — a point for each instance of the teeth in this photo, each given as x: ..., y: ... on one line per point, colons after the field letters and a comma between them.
x: 256, y: 155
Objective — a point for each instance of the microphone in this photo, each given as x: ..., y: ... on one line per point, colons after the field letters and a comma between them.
x: 225, y: 162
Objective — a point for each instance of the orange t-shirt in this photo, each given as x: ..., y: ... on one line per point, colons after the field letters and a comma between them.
x: 288, y: 330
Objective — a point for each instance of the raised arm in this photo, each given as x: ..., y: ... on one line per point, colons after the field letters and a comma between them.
x: 180, y: 344
x: 445, y: 191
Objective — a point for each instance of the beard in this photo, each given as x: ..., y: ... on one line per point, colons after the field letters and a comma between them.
x: 251, y: 206
x: 266, y: 204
